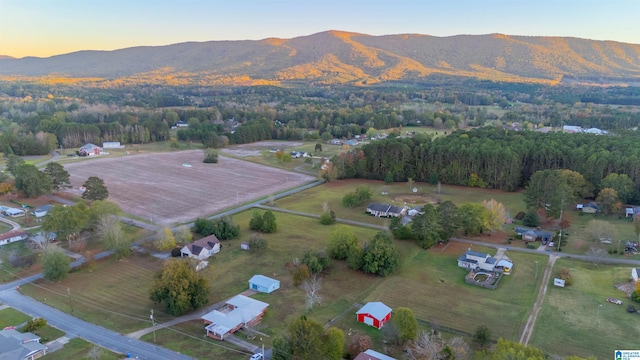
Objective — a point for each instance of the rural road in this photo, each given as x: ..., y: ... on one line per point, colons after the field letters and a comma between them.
x: 14, y: 224
x: 75, y: 327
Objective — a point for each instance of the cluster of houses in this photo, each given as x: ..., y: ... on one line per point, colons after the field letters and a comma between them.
x: 579, y: 129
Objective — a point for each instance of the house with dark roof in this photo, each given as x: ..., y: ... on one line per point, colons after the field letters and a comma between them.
x: 202, y: 249
x: 374, y: 313
x: 237, y: 312
x: 534, y: 234
x: 41, y: 210
x: 15, y: 345
x: 385, y: 210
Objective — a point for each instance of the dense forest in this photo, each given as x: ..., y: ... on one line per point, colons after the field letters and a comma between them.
x: 494, y: 158
x: 492, y: 142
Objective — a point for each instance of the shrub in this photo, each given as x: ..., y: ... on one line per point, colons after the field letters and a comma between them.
x: 361, y: 195
x: 328, y: 217
x: 257, y: 242
x: 566, y: 276
x: 211, y: 157
x: 175, y: 252
x: 300, y: 274
x: 34, y: 325
x: 520, y: 215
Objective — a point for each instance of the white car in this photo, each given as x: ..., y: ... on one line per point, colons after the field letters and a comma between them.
x: 551, y: 244
x: 614, y: 301
x: 257, y: 356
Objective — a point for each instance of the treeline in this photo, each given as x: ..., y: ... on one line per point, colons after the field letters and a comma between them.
x: 494, y: 158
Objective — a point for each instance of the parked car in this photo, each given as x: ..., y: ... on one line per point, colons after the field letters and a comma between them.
x: 551, y: 244
x: 256, y: 356
x: 614, y: 301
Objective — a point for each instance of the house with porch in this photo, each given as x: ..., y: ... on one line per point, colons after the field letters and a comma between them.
x: 202, y: 249
x: 475, y: 260
x: 20, y: 346
x: 236, y: 313
x: 385, y: 210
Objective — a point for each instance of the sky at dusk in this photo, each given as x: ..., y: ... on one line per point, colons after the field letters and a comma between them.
x: 49, y: 27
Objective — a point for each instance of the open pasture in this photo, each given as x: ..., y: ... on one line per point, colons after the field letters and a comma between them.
x: 577, y: 320
x: 157, y: 187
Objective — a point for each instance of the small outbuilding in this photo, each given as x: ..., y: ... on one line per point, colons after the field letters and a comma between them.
x: 374, y: 313
x: 263, y: 284
x: 635, y: 274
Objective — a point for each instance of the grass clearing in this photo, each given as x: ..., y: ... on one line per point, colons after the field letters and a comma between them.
x: 187, y: 338
x: 572, y: 322
x: 12, y: 317
x: 80, y: 349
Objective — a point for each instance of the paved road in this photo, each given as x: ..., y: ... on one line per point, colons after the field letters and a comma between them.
x: 14, y: 224
x: 75, y: 327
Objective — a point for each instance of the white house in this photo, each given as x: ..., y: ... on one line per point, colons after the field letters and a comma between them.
x: 13, y: 212
x: 237, y: 312
x: 112, y: 145
x: 89, y: 149
x: 482, y: 261
x: 41, y: 211
x: 12, y: 236
x: 202, y: 249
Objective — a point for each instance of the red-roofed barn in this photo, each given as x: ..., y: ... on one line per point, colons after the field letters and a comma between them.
x: 374, y: 313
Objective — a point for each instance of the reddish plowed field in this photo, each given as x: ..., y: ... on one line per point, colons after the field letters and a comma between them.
x: 158, y: 187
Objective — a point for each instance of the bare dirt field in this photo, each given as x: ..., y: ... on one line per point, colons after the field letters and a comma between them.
x: 158, y: 187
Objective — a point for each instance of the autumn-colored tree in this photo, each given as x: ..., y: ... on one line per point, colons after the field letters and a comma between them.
x: 328, y: 171
x: 300, y: 274
x: 358, y: 344
x: 179, y: 287
x: 6, y: 188
x: 165, y: 240
x: 608, y: 200
x: 566, y: 276
x: 496, y: 214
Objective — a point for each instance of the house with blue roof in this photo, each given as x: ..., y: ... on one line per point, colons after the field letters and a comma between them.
x: 263, y: 284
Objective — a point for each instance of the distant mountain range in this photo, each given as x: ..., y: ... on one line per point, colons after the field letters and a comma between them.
x: 338, y: 57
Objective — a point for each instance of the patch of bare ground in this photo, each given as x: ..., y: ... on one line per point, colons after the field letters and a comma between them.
x: 177, y: 187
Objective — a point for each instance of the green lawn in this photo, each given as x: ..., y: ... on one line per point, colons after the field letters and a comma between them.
x: 188, y: 339
x: 79, y: 349
x: 572, y: 322
x: 12, y: 317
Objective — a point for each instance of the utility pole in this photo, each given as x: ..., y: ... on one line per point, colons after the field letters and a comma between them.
x: 536, y: 271
x: 153, y: 324
x: 69, y: 296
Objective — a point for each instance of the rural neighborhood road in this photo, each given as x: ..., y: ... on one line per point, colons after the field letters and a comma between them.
x: 75, y: 327
x: 15, y: 226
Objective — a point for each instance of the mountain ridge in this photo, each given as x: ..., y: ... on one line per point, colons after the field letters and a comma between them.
x: 342, y: 57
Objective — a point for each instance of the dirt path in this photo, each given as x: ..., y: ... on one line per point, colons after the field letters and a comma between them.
x: 528, y: 328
